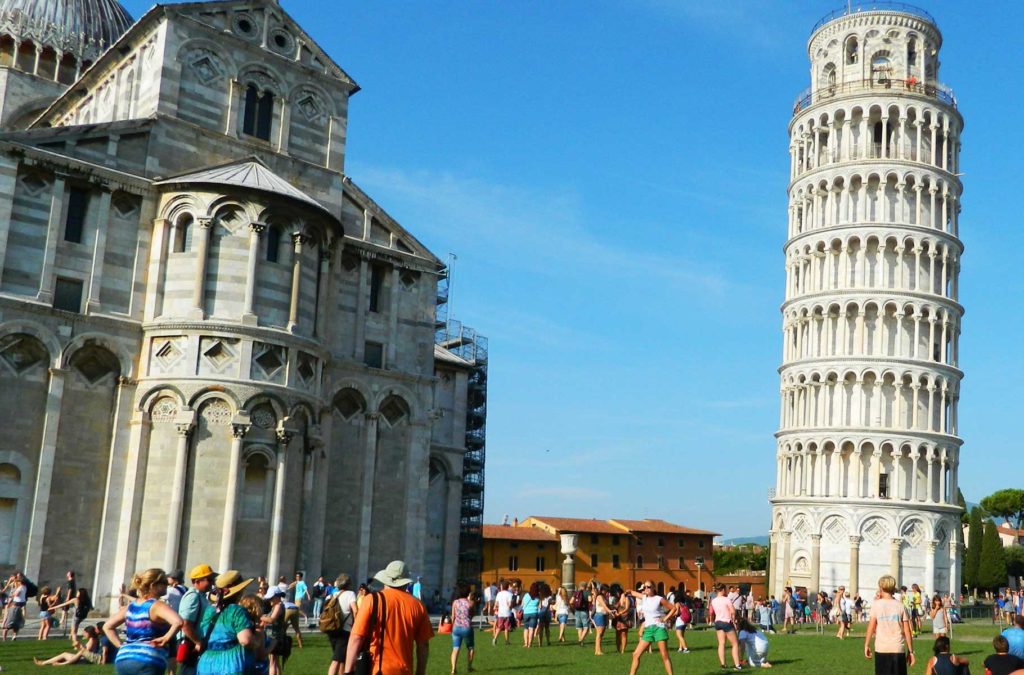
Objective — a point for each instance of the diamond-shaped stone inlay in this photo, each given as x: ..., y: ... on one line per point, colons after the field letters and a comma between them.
x: 92, y: 368
x: 349, y: 403
x: 33, y: 184
x: 876, y: 532
x: 21, y: 353
x: 801, y: 530
x: 205, y: 69
x: 307, y: 367
x: 218, y: 354
x: 310, y: 108
x: 168, y: 353
x: 124, y: 206
x: 270, y: 360
x: 914, y: 534
x: 394, y: 410
x: 835, y: 531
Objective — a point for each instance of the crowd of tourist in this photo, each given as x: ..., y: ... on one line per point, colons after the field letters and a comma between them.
x: 225, y: 624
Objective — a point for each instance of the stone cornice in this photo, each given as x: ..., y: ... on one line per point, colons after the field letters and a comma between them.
x: 870, y: 362
x: 871, y: 228
x: 876, y: 434
x: 882, y: 165
x: 881, y: 295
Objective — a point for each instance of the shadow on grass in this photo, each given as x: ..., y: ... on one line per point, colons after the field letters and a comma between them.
x: 537, y: 666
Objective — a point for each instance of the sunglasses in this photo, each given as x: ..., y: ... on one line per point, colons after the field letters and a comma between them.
x: 648, y: 588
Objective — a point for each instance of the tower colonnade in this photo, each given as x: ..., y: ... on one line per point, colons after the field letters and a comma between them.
x: 867, y: 448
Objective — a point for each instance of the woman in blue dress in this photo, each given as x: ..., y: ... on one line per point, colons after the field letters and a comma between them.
x: 229, y: 628
x: 150, y: 624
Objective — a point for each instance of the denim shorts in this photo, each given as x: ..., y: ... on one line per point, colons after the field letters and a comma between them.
x: 582, y: 619
x: 563, y: 619
x: 600, y: 620
x: 530, y: 620
x: 462, y: 636
x: 724, y: 626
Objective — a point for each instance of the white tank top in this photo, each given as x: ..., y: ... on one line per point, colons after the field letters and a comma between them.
x: 653, y: 611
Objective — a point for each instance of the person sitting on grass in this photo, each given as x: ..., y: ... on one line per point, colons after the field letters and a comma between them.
x: 753, y: 644
x: 1002, y: 662
x: 87, y: 653
x: 944, y: 663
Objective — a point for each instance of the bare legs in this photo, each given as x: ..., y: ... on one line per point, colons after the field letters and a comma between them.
x: 642, y: 647
x: 731, y: 635
x: 598, y: 635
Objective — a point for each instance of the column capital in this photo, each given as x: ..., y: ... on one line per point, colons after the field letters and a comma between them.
x: 897, y: 542
x: 932, y: 545
x: 815, y: 540
x: 257, y: 228
x: 183, y: 428
x: 300, y: 238
x: 240, y: 430
x: 284, y: 436
x: 205, y: 222
x: 855, y: 540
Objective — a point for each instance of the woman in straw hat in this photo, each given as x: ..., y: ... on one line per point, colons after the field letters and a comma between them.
x: 151, y: 624
x: 226, y: 628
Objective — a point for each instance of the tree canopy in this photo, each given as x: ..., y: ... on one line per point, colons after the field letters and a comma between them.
x: 1008, y: 504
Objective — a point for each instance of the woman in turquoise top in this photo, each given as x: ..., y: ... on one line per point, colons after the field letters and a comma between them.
x: 531, y: 605
x: 229, y: 628
x: 149, y: 624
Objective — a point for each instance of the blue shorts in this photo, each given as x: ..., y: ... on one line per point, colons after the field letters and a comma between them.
x: 724, y: 626
x: 462, y: 635
x: 582, y: 619
x: 530, y: 620
x: 600, y: 620
x: 563, y: 619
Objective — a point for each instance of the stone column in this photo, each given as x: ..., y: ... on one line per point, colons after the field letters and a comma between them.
x: 930, y: 493
x: 319, y: 516
x: 131, y: 505
x: 203, y: 229
x: 174, y: 513
x: 954, y: 565
x: 53, y: 235
x: 569, y: 546
x: 894, y: 558
x: 815, y: 563
x: 284, y: 126
x: 157, y: 265
x: 293, y: 307
x: 235, y: 94
x: 114, y: 492
x: 44, y: 474
x: 393, y: 320
x: 929, y: 567
x: 284, y: 437
x: 787, y: 557
x: 321, y: 327
x: 227, y: 535
x: 362, y: 304
x: 249, y: 317
x: 98, y: 252
x: 369, y: 472
x: 855, y: 564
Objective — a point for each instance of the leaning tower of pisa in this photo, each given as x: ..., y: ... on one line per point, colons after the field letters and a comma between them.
x: 867, y: 444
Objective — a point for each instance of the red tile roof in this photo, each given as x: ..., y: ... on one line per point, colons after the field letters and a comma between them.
x: 520, y: 533
x: 590, y: 526
x: 659, y: 527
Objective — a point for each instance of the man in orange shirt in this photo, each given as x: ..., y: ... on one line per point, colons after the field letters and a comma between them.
x: 404, y: 622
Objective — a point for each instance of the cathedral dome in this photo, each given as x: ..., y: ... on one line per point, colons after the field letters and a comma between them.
x: 80, y: 28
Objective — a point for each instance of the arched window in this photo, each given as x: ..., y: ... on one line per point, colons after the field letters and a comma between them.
x: 881, y: 68
x: 182, y: 235
x: 274, y: 235
x: 828, y: 75
x: 10, y: 491
x: 256, y: 486
x: 852, y: 50
x: 912, y: 56
x: 258, y: 113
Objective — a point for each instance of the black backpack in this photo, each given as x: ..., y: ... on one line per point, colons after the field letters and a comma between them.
x: 31, y: 590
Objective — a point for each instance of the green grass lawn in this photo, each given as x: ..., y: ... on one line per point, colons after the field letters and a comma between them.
x: 805, y: 653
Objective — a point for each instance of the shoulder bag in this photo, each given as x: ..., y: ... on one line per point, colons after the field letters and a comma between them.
x: 364, y: 661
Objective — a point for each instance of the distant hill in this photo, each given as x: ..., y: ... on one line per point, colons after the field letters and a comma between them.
x: 736, y: 541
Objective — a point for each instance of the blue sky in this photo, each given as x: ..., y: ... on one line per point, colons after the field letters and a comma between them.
x: 612, y: 177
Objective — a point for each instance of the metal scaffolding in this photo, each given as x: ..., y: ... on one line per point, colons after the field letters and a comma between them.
x: 471, y: 347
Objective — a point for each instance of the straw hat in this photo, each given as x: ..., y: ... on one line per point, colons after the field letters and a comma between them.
x: 230, y: 583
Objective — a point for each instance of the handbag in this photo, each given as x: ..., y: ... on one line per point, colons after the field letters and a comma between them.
x: 364, y: 661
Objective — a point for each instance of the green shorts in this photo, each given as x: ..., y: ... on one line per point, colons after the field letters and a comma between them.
x: 654, y: 634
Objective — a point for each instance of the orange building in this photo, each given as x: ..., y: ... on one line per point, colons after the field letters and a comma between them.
x: 612, y: 551
x: 525, y: 553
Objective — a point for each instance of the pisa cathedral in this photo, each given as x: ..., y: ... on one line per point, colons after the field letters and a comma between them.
x: 867, y: 447
x: 214, y: 346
